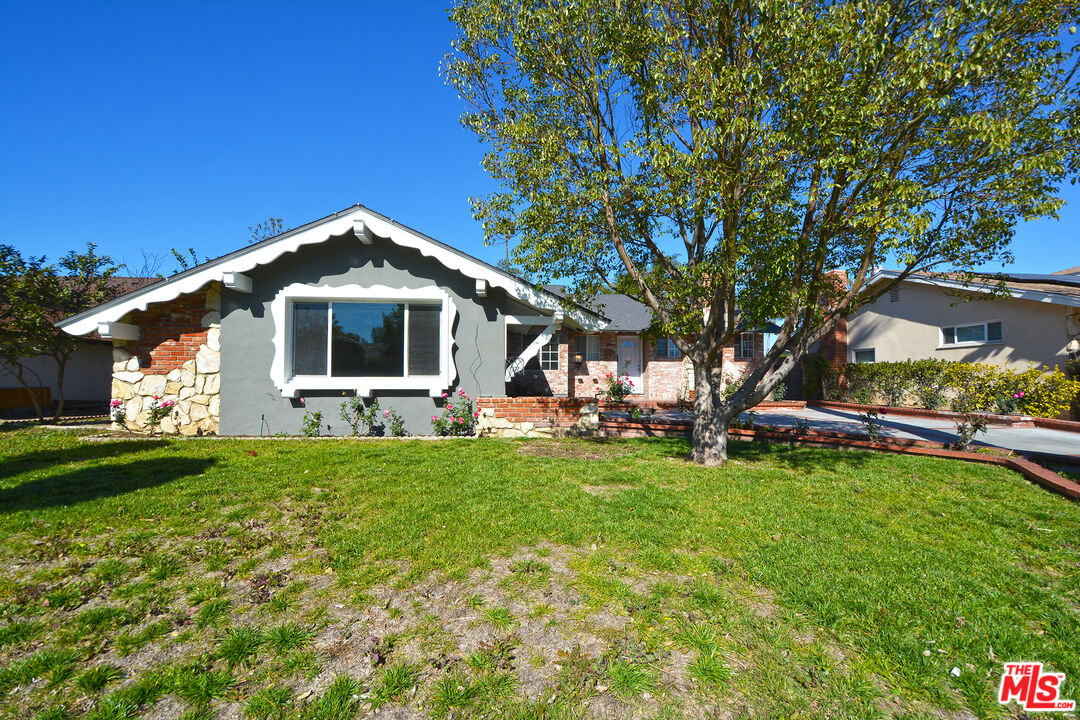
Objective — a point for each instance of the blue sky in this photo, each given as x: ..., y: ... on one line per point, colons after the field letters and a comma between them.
x: 145, y: 126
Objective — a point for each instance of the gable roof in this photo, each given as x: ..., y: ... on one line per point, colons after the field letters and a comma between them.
x: 1068, y: 271
x: 1057, y: 288
x: 359, y: 220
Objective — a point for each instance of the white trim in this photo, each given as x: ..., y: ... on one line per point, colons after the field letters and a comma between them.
x: 292, y: 385
x: 481, y: 287
x: 236, y: 281
x: 118, y: 331
x: 369, y: 226
x: 1033, y: 295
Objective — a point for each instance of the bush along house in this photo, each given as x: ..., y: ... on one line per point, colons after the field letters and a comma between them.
x: 358, y: 304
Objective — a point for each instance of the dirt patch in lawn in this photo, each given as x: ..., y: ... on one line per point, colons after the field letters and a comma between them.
x: 546, y: 631
x: 575, y: 449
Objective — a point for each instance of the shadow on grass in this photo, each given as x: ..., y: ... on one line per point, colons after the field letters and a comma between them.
x: 17, y: 464
x: 807, y: 459
x: 93, y: 483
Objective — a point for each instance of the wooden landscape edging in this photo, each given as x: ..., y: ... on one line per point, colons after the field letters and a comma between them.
x: 1037, y: 474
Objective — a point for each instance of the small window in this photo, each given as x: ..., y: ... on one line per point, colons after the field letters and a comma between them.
x: 588, y: 346
x: 744, y: 346
x: 865, y: 356
x: 549, y: 355
x: 666, y: 349
x: 894, y: 295
x: 971, y: 334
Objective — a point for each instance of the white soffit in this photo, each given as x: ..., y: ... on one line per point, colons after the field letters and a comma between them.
x: 368, y: 225
x: 1014, y: 293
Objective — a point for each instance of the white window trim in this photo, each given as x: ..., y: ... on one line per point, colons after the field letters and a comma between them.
x: 540, y: 355
x: 292, y: 385
x: 942, y: 345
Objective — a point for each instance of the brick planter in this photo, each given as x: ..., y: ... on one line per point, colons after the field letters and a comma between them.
x: 991, y: 418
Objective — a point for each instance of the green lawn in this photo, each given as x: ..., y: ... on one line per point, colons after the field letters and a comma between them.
x: 326, y: 579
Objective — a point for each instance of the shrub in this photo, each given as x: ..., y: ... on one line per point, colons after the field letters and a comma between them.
x: 458, y: 417
x: 363, y: 419
x: 618, y: 386
x: 967, y: 387
x: 779, y: 392
x: 312, y: 423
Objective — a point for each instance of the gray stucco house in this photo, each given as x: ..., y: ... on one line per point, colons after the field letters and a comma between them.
x: 246, y: 343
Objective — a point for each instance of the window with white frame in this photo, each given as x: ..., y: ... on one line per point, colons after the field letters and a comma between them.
x: 356, y: 338
x: 549, y: 355
x: 588, y: 346
x: 867, y: 355
x: 973, y: 334
x: 744, y: 346
x: 666, y: 349
x: 362, y: 338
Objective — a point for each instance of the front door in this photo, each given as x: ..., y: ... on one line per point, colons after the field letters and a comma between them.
x: 630, y: 360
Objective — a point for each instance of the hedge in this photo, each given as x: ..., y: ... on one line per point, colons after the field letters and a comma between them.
x: 964, y: 387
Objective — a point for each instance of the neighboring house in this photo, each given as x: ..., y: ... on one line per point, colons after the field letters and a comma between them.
x: 358, y: 303
x: 86, y: 377
x: 936, y: 317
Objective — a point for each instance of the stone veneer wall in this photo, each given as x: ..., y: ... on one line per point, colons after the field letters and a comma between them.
x: 177, y: 357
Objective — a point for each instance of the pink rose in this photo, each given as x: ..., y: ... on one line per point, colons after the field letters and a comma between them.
x: 476, y: 414
x: 434, y: 419
x: 444, y: 394
x: 386, y: 413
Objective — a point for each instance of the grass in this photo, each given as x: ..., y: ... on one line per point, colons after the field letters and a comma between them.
x: 791, y: 583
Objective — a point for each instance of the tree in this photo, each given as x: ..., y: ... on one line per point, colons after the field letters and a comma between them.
x: 728, y: 155
x: 33, y: 296
x: 271, y: 227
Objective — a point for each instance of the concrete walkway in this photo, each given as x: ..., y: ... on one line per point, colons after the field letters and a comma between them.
x: 1029, y: 440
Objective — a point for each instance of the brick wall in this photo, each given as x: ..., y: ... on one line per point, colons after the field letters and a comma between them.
x: 170, y: 333
x: 540, y: 410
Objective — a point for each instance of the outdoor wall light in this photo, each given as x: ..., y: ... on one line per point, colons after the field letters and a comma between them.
x: 579, y: 358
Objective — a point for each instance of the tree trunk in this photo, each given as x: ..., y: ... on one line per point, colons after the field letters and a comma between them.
x: 711, y: 418
x: 61, y: 365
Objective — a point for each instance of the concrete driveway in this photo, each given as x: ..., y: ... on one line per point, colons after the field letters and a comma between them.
x: 1028, y: 440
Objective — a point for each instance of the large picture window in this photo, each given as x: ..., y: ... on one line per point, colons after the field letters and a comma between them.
x: 346, y: 338
x: 363, y: 338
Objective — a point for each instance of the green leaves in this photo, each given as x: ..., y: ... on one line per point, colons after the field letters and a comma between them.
x: 730, y: 155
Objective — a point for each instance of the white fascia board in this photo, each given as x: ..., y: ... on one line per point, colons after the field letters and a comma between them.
x: 1033, y: 295
x: 369, y: 225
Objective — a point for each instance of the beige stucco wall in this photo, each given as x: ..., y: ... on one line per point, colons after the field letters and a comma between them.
x: 1032, y: 332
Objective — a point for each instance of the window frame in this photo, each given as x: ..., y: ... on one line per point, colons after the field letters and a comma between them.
x: 669, y: 346
x: 545, y: 348
x: 291, y: 384
x: 942, y: 345
x: 589, y: 347
x: 739, y: 346
x: 855, y: 355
